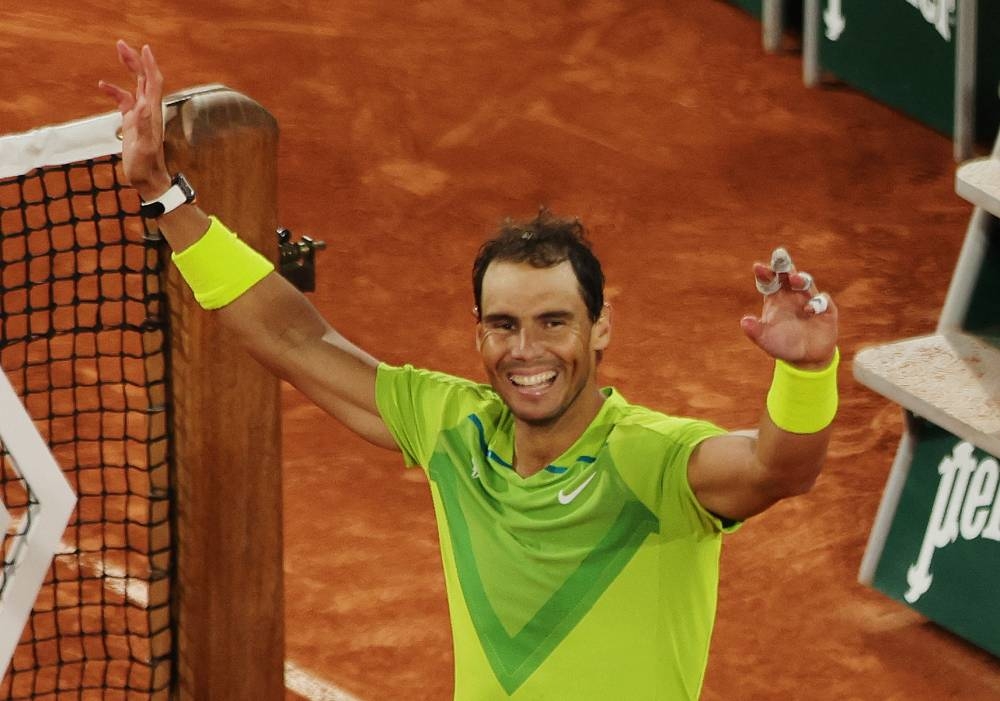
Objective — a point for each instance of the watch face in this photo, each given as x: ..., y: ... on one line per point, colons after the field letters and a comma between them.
x: 181, y: 182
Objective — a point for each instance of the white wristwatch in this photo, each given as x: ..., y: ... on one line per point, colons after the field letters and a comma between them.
x: 180, y: 192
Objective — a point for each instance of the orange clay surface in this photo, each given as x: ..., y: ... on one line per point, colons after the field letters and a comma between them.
x: 410, y: 129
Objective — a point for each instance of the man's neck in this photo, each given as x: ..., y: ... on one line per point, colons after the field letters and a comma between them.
x: 536, y: 446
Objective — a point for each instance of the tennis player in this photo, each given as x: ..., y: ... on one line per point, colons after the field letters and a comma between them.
x: 580, y: 533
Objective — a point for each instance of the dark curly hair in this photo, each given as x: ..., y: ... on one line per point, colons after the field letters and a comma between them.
x: 544, y: 242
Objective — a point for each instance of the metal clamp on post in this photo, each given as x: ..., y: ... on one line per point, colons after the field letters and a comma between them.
x: 297, y: 260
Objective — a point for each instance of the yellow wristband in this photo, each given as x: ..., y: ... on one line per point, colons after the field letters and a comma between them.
x: 219, y: 267
x: 803, y: 401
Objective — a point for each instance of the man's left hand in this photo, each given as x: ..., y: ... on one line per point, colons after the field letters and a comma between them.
x: 798, y: 323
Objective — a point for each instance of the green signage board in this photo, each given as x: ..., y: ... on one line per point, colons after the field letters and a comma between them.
x: 901, y: 52
x: 754, y: 7
x: 791, y: 12
x: 942, y: 552
x: 987, y: 71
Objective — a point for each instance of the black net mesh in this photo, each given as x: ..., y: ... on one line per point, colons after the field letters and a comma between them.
x: 83, y: 342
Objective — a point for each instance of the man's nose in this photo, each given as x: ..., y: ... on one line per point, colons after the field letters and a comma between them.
x: 527, y: 344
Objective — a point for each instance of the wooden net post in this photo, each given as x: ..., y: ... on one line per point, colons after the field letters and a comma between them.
x: 228, y: 592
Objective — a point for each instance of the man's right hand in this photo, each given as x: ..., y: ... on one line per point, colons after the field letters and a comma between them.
x: 142, y: 122
x: 272, y: 320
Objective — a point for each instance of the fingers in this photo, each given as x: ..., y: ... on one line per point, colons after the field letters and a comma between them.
x: 129, y: 57
x: 819, y: 303
x: 801, y: 282
x: 781, y: 262
x: 149, y: 71
x: 123, y: 98
x: 149, y: 67
x: 768, y: 282
x: 142, y: 64
x: 752, y: 327
x: 142, y: 116
x: 148, y: 92
x: 781, y: 274
x: 153, y: 84
x: 769, y: 279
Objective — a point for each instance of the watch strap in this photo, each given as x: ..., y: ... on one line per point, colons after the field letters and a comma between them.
x: 176, y: 195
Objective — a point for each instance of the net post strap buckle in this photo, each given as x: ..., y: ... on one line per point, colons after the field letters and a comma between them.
x: 297, y: 259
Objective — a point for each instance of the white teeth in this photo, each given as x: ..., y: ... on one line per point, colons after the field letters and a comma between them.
x: 533, y: 380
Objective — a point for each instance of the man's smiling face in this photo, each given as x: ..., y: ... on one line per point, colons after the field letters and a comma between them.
x: 537, y: 341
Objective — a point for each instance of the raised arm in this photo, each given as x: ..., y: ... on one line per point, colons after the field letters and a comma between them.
x: 737, y: 476
x: 271, y: 319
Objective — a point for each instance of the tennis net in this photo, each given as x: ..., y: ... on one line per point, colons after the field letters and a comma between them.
x: 83, y: 343
x: 170, y: 439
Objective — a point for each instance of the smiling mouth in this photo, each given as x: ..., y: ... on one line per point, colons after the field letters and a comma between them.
x: 539, y: 380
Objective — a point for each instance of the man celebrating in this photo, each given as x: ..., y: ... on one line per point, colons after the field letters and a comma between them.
x: 580, y: 534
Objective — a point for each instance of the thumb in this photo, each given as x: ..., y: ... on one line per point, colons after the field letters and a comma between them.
x: 752, y: 327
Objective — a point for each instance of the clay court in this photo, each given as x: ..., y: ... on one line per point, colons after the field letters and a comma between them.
x: 410, y: 130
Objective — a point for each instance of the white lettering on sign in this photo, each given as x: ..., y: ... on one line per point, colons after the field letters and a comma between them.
x: 967, y: 504
x: 937, y: 13
x: 834, y: 20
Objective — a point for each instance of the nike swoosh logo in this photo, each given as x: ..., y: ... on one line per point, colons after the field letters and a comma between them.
x: 565, y: 498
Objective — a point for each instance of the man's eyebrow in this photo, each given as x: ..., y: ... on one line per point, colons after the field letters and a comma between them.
x: 553, y: 315
x: 556, y: 315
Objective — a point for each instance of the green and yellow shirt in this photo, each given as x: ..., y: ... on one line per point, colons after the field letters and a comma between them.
x: 595, y: 578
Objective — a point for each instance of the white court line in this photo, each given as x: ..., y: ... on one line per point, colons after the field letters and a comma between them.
x: 117, y: 579
x: 306, y: 685
x: 312, y: 688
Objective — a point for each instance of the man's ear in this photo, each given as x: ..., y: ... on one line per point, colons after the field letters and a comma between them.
x: 600, y: 332
x: 479, y: 330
